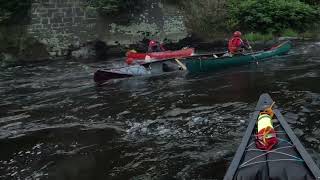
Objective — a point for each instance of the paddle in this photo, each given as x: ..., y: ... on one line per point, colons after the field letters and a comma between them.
x: 210, y: 54
x: 180, y: 63
x: 249, y: 46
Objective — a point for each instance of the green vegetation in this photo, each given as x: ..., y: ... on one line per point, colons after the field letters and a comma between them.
x: 269, y: 36
x: 312, y: 33
x: 258, y: 37
x: 312, y: 2
x: 272, y: 16
x: 14, y: 11
x: 265, y: 17
x: 112, y: 7
x: 289, y: 33
x: 205, y: 18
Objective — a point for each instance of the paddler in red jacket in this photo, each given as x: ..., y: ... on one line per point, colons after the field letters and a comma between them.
x: 236, y: 45
x: 155, y: 46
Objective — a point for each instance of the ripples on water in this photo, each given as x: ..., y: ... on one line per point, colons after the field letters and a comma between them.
x: 56, y: 124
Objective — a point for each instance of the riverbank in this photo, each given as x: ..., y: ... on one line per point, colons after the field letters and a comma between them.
x: 71, y: 30
x: 286, y: 34
x: 99, y: 51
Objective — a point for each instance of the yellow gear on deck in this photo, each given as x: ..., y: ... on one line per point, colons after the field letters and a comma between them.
x: 264, y: 121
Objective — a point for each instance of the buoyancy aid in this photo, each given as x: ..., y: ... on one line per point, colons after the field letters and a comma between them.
x: 235, y: 44
x: 266, y: 137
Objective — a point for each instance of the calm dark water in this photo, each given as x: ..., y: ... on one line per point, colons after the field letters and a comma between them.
x: 56, y: 124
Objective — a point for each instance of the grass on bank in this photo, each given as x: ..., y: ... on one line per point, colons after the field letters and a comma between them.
x: 256, y: 36
x: 289, y: 33
x: 252, y: 37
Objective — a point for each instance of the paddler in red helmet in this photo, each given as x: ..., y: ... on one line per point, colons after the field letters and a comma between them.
x: 155, y: 46
x: 236, y: 45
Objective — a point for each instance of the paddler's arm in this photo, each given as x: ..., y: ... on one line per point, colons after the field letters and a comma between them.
x: 246, y: 44
x: 162, y: 48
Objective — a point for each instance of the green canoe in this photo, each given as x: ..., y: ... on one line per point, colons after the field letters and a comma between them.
x: 206, y: 64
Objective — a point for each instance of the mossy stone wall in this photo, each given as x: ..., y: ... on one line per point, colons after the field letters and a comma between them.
x: 60, y: 24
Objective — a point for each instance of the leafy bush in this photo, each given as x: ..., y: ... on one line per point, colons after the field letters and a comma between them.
x: 272, y: 15
x: 205, y: 18
x: 312, y: 2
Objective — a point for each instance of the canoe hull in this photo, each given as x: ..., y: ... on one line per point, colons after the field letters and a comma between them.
x: 140, y: 57
x: 104, y: 75
x: 210, y: 64
x: 287, y: 160
x: 157, y: 67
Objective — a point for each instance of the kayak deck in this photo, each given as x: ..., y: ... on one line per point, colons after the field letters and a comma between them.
x: 287, y: 160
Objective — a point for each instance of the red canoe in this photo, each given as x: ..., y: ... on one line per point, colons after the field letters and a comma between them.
x: 133, y: 56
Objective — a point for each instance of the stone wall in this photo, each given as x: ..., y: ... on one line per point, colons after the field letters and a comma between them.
x: 60, y: 24
x: 66, y: 25
x: 70, y: 27
x: 155, y: 21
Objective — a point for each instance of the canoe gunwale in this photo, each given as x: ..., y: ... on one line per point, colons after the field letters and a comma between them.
x: 201, y: 59
x: 299, y: 147
x: 241, y: 149
x: 158, y: 56
x: 207, y: 64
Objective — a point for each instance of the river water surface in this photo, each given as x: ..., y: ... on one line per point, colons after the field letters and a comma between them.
x: 55, y: 123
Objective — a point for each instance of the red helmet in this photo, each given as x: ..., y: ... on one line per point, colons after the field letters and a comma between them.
x: 152, y: 43
x: 237, y: 34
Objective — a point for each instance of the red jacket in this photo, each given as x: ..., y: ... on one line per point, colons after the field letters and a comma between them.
x: 235, y: 44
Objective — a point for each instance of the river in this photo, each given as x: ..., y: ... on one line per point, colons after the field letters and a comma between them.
x: 55, y: 123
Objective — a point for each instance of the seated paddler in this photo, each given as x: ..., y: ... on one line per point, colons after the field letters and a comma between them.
x: 155, y: 46
x: 236, y: 45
